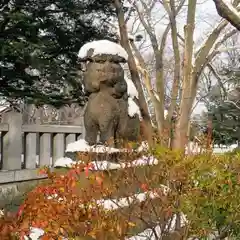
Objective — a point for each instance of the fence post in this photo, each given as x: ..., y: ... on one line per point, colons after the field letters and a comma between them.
x: 12, y: 142
x: 30, y: 150
x: 70, y: 138
x: 58, y: 146
x: 45, y: 150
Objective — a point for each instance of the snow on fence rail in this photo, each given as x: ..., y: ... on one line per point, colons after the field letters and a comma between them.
x: 25, y: 148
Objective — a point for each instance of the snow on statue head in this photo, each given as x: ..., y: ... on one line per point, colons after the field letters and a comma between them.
x: 103, y: 49
x: 111, y: 109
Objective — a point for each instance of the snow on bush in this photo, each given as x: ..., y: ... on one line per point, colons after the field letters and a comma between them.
x: 156, y: 233
x: 35, y: 234
x: 106, y: 165
x: 82, y: 146
x: 143, y: 161
x: 114, y: 204
x: 64, y: 162
x: 103, y: 47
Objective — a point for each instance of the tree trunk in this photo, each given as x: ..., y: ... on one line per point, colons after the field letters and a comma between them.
x: 181, y: 129
x: 172, y: 13
x: 189, y: 82
x: 147, y: 129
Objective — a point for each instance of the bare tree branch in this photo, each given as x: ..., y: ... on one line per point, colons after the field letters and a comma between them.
x: 172, y: 12
x: 228, y: 12
x: 148, y: 131
x: 211, y: 68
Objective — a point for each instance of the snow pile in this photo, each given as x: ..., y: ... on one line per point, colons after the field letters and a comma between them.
x: 56, y: 197
x: 32, y: 72
x: 1, y: 213
x: 106, y: 165
x: 64, y: 162
x: 165, y: 113
x: 143, y: 147
x: 102, y: 47
x: 132, y: 91
x: 114, y: 204
x: 193, y: 148
x: 35, y: 234
x: 133, y: 108
x: 82, y: 146
x: 224, y: 149
x: 143, y: 161
x: 2, y: 108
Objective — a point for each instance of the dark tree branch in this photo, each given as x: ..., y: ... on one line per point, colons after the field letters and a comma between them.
x: 225, y: 11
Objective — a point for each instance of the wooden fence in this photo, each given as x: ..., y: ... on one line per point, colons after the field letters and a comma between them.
x: 25, y: 148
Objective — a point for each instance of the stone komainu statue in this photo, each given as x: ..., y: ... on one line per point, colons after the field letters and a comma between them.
x: 107, y: 108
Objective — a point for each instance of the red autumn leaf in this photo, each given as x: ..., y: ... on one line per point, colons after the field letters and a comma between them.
x: 20, y: 211
x: 99, y: 180
x: 73, y: 183
x: 42, y: 171
x: 87, y: 171
x: 45, y: 237
x: 168, y: 212
x: 144, y: 187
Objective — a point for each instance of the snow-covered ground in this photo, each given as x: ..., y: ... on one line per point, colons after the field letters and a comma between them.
x: 194, y: 148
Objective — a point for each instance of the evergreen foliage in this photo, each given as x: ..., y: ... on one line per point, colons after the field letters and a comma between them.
x: 225, y: 113
x: 39, y: 41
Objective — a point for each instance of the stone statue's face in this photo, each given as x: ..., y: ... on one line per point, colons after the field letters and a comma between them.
x: 104, y: 72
